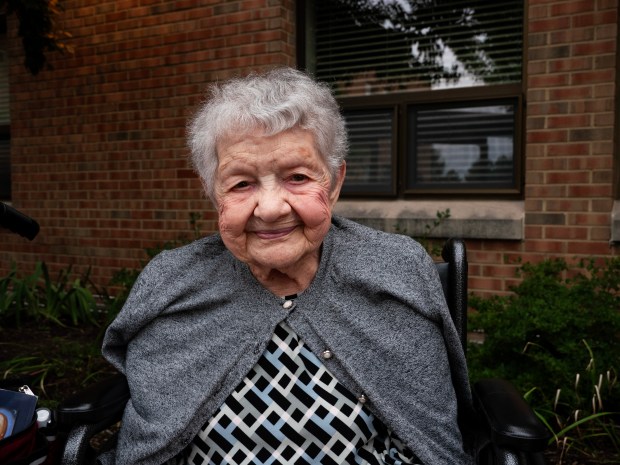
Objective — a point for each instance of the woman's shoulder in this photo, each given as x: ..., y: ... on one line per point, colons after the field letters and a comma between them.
x: 172, y: 274
x: 355, y: 236
x: 204, y: 253
x: 358, y: 250
x: 208, y: 247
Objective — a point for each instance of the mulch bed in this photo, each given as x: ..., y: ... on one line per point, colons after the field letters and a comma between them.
x: 71, y: 355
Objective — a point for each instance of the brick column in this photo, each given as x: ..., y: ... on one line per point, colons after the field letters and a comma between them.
x: 571, y: 62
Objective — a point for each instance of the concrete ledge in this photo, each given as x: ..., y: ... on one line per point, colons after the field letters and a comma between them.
x: 476, y: 219
x: 615, y: 222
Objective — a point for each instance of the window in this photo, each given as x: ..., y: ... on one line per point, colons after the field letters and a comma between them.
x: 458, y: 144
x: 5, y: 121
x: 431, y: 92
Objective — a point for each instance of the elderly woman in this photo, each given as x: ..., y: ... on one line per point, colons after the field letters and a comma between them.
x: 291, y: 337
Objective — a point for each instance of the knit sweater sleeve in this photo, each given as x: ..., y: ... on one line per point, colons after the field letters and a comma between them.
x: 142, y: 306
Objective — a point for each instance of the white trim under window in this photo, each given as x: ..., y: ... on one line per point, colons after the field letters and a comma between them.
x: 475, y: 219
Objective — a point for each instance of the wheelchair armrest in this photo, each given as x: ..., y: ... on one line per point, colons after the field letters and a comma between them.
x: 102, y: 402
x: 510, y: 420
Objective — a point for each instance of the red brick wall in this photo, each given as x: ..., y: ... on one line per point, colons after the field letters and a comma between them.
x: 569, y: 155
x: 98, y: 143
x: 98, y: 149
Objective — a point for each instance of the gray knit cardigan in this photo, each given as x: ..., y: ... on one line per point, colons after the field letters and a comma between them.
x: 197, y: 321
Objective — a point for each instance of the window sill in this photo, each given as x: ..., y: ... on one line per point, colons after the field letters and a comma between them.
x: 615, y: 222
x: 481, y: 219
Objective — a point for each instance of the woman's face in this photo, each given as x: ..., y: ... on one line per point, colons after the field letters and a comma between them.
x: 275, y: 199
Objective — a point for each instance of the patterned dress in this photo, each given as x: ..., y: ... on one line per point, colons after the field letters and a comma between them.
x: 291, y: 410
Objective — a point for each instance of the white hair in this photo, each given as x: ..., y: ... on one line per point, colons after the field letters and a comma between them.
x: 279, y: 100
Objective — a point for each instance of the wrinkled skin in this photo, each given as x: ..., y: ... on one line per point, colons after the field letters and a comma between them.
x: 275, y: 199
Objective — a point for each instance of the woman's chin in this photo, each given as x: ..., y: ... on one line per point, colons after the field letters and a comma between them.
x: 276, y: 263
x: 269, y: 261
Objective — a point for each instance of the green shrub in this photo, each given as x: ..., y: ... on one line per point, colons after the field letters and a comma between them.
x: 534, y: 337
x: 556, y: 339
x: 51, y: 331
x: 39, y: 297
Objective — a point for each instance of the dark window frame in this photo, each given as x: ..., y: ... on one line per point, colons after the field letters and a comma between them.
x: 513, y: 188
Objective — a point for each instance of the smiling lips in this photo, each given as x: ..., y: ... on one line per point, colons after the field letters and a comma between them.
x: 275, y: 233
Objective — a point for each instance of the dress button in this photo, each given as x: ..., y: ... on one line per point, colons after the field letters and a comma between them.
x: 362, y: 399
x: 327, y: 354
x: 288, y: 304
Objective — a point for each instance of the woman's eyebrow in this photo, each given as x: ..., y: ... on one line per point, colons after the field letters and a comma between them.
x: 297, y: 159
x: 234, y: 166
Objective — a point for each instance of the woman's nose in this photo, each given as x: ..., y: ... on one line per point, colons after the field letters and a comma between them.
x: 271, y: 204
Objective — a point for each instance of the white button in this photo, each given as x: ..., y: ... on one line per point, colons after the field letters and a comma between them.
x: 362, y: 399
x: 327, y: 354
x: 287, y: 304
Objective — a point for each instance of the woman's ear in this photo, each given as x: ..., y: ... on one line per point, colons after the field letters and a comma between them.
x: 337, y: 184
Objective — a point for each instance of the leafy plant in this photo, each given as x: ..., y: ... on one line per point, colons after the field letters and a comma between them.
x: 557, y: 321
x: 433, y: 247
x: 54, y: 323
x: 17, y: 296
x: 53, y: 365
x: 37, y: 296
x: 533, y: 337
x: 582, y: 426
x: 34, y: 366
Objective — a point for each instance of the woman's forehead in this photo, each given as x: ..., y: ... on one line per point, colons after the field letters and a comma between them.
x: 260, y: 135
x: 293, y: 146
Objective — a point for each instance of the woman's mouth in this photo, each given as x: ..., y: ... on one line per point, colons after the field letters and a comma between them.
x: 274, y: 233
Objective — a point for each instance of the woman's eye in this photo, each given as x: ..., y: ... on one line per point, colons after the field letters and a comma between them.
x: 298, y: 178
x: 241, y: 185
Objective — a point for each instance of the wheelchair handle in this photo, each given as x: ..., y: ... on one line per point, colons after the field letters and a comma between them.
x: 17, y: 222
